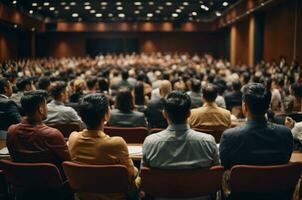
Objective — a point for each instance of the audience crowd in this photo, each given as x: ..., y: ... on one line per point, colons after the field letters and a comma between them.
x: 175, y: 92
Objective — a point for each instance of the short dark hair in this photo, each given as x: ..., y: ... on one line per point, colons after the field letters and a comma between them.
x: 297, y: 89
x: 4, y: 82
x: 23, y: 82
x: 31, y: 101
x: 44, y: 83
x: 210, y: 92
x: 125, y: 75
x: 91, y: 82
x: 177, y: 106
x: 139, y: 95
x: 58, y: 88
x: 92, y: 109
x: 236, y: 85
x: 124, y: 100
x: 257, y: 98
x: 103, y: 84
x: 196, y: 85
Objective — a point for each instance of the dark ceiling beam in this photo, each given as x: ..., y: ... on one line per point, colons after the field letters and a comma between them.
x: 242, y: 10
x: 13, y: 16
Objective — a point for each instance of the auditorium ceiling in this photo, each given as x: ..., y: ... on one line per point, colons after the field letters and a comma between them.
x: 123, y: 10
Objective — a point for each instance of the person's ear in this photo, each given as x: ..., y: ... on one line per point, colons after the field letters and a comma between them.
x: 244, y: 108
x: 165, y: 115
x: 106, y: 117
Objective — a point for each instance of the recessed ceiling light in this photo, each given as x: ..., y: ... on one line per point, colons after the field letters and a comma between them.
x: 178, y: 10
x: 110, y: 15
x: 121, y: 15
x: 33, y: 29
x: 218, y: 14
x: 191, y: 18
x: 98, y: 15
x: 160, y: 7
x: 168, y: 3
x: 181, y: 7
x: 157, y: 11
x: 119, y: 8
x: 87, y: 3
x: 67, y: 7
x: 56, y: 12
x: 118, y: 3
x: 15, y: 26
x: 137, y: 3
x: 225, y: 3
x: 73, y: 3
x: 174, y: 15
x: 185, y: 3
x: 34, y: 4
x: 63, y: 3
x: 141, y: 7
x: 150, y: 15
x: 151, y: 3
x: 14, y: 2
x: 103, y: 3
x: 75, y: 15
x: 31, y: 12
x: 40, y: 8
x: 136, y: 12
x: 46, y: 4
x: 194, y: 13
x: 87, y: 7
x: 92, y: 11
x: 80, y: 19
x: 204, y: 7
x: 52, y: 8
x: 103, y: 7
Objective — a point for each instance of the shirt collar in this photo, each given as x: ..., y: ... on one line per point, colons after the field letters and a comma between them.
x: 208, y: 104
x: 178, y: 127
x: 57, y: 102
x: 4, y: 96
x: 94, y: 133
x: 257, y: 121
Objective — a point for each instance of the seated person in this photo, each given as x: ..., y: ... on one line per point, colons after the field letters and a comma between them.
x: 210, y: 115
x: 57, y: 111
x: 24, y: 84
x: 92, y: 146
x: 124, y: 115
x: 9, y: 113
x: 195, y: 93
x: 257, y: 142
x: 33, y: 141
x: 154, y: 109
x: 178, y: 146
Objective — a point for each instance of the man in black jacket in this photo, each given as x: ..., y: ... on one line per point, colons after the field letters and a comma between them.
x: 9, y: 113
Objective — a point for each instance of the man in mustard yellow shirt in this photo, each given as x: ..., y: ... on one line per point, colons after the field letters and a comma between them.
x: 210, y: 115
x: 93, y: 146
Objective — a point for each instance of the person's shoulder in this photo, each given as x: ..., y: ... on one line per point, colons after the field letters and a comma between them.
x: 235, y: 132
x: 279, y: 128
x: 139, y: 114
x: 154, y: 138
x: 224, y: 111
x: 201, y: 136
x: 115, y: 141
x: 13, y: 127
x: 50, y: 131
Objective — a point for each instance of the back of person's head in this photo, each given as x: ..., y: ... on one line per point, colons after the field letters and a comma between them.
x: 57, y: 89
x: 177, y: 107
x: 257, y: 98
x: 139, y: 95
x: 246, y: 77
x: 165, y: 87
x: 124, y: 100
x: 31, y: 101
x: 125, y: 75
x: 24, y: 83
x: 91, y: 82
x: 92, y: 109
x: 79, y: 85
x: 210, y: 92
x: 4, y: 83
x: 103, y: 84
x: 44, y: 83
x: 236, y: 85
x: 196, y: 85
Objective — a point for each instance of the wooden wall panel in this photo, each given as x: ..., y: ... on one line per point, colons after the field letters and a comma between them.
x: 8, y: 45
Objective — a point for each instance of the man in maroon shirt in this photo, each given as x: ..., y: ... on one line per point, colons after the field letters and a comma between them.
x: 33, y: 141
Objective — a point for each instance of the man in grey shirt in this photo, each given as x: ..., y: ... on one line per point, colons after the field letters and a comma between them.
x: 57, y: 111
x: 178, y: 146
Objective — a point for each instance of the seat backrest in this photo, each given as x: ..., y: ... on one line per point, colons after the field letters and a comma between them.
x: 130, y: 134
x: 215, y: 132
x: 66, y: 129
x: 264, y: 179
x: 181, y: 183
x: 97, y: 178
x: 34, y: 175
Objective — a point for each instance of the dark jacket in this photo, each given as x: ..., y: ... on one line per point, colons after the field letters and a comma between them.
x: 233, y: 99
x: 127, y: 119
x: 257, y: 142
x: 9, y: 113
x: 154, y: 114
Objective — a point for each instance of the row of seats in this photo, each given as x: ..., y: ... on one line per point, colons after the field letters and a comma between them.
x: 130, y: 134
x: 42, y: 178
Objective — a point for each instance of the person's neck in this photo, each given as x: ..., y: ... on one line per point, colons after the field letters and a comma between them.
x: 33, y: 119
x: 99, y: 128
x: 254, y: 117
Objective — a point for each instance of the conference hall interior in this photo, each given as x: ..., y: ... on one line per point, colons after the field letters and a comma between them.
x: 150, y: 99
